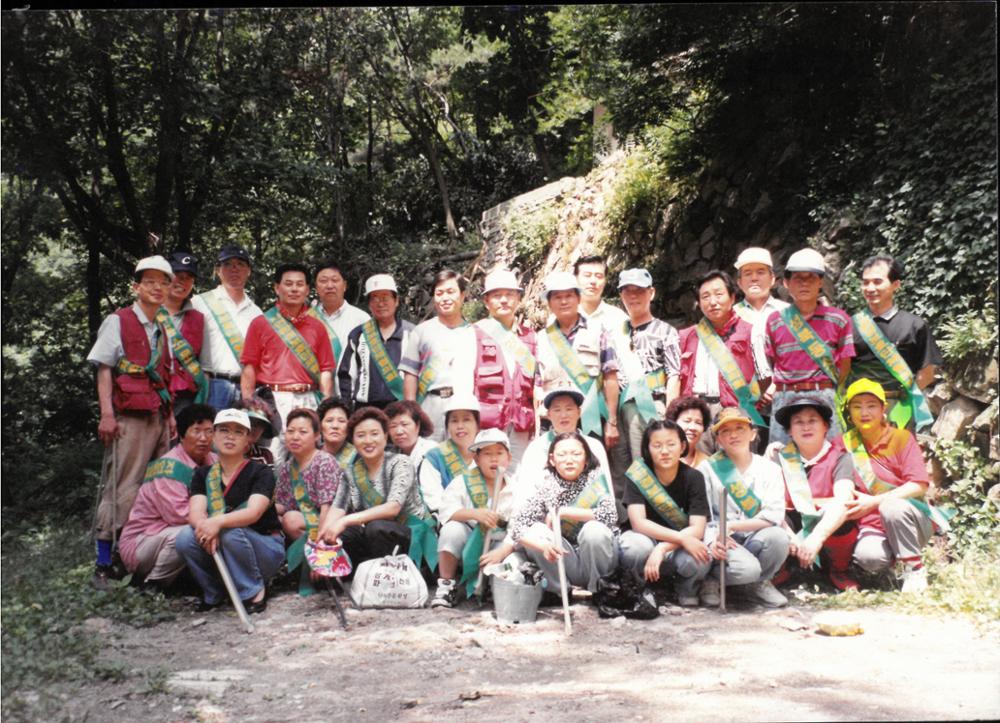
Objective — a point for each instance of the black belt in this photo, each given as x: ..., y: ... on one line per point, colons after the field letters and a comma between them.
x: 231, y: 378
x: 443, y: 392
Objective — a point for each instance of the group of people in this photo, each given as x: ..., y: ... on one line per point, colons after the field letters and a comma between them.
x: 467, y: 444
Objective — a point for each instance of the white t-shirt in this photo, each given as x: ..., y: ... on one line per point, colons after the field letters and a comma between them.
x: 216, y: 355
x: 455, y: 348
x: 763, y: 477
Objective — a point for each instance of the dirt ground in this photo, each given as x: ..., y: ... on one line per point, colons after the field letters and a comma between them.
x: 461, y: 664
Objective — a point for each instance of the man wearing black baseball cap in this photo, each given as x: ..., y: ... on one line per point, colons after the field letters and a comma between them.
x: 185, y: 327
x: 228, y: 312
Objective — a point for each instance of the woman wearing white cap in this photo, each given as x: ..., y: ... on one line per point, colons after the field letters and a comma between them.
x: 452, y: 457
x: 231, y: 511
x: 469, y: 520
x: 369, y: 372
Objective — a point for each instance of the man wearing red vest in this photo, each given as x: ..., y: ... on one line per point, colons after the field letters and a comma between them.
x: 717, y: 362
x: 504, y: 378
x: 133, y: 387
x: 185, y: 327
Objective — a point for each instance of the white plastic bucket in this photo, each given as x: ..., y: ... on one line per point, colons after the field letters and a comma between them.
x: 514, y: 602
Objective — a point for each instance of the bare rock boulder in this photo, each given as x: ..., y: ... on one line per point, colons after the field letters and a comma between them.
x: 955, y: 418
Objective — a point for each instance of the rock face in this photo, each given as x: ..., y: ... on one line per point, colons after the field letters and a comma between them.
x: 955, y: 418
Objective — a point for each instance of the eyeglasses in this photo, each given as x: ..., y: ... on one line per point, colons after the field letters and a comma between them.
x: 203, y: 433
x: 231, y: 431
x: 154, y: 284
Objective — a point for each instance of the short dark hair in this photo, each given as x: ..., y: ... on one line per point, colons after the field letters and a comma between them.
x: 364, y: 414
x: 896, y: 270
x: 716, y: 274
x: 303, y: 413
x: 328, y: 264
x: 295, y: 266
x: 415, y: 412
x: 333, y: 403
x: 592, y: 259
x: 590, y: 462
x: 193, y: 414
x: 682, y: 404
x: 656, y: 426
x: 447, y: 275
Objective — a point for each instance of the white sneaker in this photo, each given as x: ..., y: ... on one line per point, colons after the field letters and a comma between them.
x: 914, y: 580
x: 710, y: 593
x: 768, y: 594
x: 446, y: 594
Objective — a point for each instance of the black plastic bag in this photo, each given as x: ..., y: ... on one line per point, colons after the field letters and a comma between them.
x: 621, y: 593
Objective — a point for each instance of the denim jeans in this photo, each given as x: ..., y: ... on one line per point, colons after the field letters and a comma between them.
x: 252, y: 559
x: 636, y: 549
x: 222, y: 394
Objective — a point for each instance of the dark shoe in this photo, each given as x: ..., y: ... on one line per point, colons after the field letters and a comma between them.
x: 103, y: 578
x: 253, y: 608
x: 204, y: 607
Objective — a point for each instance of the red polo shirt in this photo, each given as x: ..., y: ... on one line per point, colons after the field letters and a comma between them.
x: 274, y: 362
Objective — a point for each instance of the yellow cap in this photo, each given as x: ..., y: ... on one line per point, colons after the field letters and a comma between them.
x: 864, y: 386
x: 728, y: 415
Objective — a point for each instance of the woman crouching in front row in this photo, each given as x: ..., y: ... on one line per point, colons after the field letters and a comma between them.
x: 574, y: 487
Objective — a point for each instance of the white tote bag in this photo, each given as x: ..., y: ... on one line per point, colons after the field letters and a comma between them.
x: 392, y: 581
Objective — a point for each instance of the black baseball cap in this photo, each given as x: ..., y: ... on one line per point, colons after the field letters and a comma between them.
x: 233, y: 252
x: 181, y: 261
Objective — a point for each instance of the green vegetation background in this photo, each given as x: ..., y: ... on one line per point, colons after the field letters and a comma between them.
x: 378, y: 137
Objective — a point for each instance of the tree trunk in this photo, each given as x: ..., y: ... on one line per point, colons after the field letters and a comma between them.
x: 442, y: 184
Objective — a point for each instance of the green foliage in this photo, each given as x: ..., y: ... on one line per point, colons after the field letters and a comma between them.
x: 532, y: 233
x: 47, y: 600
x: 971, y: 333
x: 977, y: 525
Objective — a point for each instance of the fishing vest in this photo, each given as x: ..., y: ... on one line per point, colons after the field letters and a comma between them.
x: 738, y: 343
x: 137, y: 392
x: 504, y: 398
x: 193, y: 331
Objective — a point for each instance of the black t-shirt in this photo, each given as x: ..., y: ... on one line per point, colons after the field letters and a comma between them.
x: 254, y: 479
x: 687, y: 490
x: 912, y: 338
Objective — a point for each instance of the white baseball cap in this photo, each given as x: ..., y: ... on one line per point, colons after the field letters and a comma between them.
x: 560, y: 281
x: 635, y: 277
x: 380, y: 282
x: 754, y: 255
x: 486, y: 437
x: 806, y: 260
x: 501, y: 279
x: 154, y: 263
x: 462, y: 401
x: 234, y: 416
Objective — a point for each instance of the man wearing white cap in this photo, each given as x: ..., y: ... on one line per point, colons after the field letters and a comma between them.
x: 572, y: 351
x: 809, y: 345
x: 755, y: 277
x: 369, y: 372
x: 133, y: 361
x: 228, y: 312
x: 504, y: 378
x: 338, y: 316
x: 649, y: 376
x: 439, y: 356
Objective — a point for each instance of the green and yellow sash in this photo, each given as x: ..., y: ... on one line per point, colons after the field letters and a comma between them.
x: 345, y: 455
x: 940, y: 516
x: 817, y: 350
x: 335, y: 344
x: 656, y: 494
x: 746, y: 392
x: 169, y: 468
x: 185, y: 354
x: 216, y: 494
x: 588, y: 499
x: 797, y: 483
x: 295, y: 343
x: 727, y: 473
x: 430, y: 368
x: 296, y: 551
x: 447, y: 460
x: 511, y: 344
x: 591, y: 412
x: 227, y: 325
x: 423, y: 540
x: 915, y: 404
x: 473, y: 550
x: 125, y: 366
x: 641, y: 389
x: 386, y: 369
